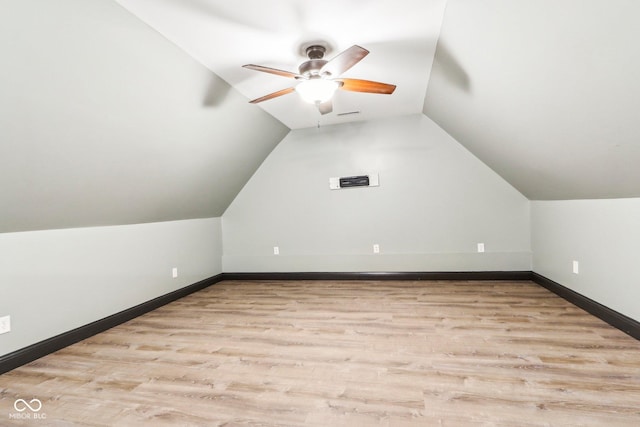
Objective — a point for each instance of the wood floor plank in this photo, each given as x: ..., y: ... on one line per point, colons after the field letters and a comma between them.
x: 350, y: 353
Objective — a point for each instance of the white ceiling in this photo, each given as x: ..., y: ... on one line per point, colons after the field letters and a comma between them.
x: 105, y: 122
x: 223, y: 35
x: 546, y: 92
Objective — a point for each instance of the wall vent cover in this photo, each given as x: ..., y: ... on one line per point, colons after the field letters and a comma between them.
x: 355, y: 181
x: 369, y: 180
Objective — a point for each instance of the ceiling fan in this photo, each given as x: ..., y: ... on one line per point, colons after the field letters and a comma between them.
x: 319, y: 77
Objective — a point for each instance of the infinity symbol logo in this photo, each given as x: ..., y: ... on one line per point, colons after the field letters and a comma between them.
x: 21, y: 405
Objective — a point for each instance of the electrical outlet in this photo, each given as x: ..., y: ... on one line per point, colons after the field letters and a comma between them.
x: 174, y: 272
x: 5, y: 324
x: 576, y: 267
x: 376, y: 248
x: 276, y: 250
x: 480, y: 247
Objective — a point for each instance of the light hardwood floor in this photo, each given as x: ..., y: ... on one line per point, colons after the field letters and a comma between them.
x: 344, y: 353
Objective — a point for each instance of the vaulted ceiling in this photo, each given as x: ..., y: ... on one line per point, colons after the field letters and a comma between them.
x: 547, y: 93
x: 103, y: 122
x: 130, y: 111
x: 224, y: 35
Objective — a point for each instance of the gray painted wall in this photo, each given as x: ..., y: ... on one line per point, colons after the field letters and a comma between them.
x: 435, y: 202
x: 56, y: 280
x: 603, y: 236
x: 105, y: 122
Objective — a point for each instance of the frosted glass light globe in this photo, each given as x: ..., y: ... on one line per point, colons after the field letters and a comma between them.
x: 316, y: 90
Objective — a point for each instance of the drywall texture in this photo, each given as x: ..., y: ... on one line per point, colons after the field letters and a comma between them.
x: 544, y: 92
x: 435, y: 202
x: 57, y: 280
x: 105, y: 122
x: 603, y: 236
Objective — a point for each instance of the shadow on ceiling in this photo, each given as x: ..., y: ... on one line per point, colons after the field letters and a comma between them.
x: 451, y: 68
x: 216, y: 92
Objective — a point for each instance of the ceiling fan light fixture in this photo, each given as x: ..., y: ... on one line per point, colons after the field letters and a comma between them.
x: 317, y: 90
x: 317, y: 77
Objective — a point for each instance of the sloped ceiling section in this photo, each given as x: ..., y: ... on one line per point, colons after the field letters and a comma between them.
x: 547, y: 93
x: 103, y: 121
x: 223, y: 35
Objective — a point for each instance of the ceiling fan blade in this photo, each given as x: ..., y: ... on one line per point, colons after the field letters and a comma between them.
x: 273, y: 95
x: 368, y: 86
x: 275, y: 71
x: 345, y: 60
x: 325, y: 107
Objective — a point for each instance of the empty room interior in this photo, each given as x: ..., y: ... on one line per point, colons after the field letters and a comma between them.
x: 377, y: 213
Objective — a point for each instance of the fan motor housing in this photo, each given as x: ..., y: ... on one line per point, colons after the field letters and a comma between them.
x: 311, y: 67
